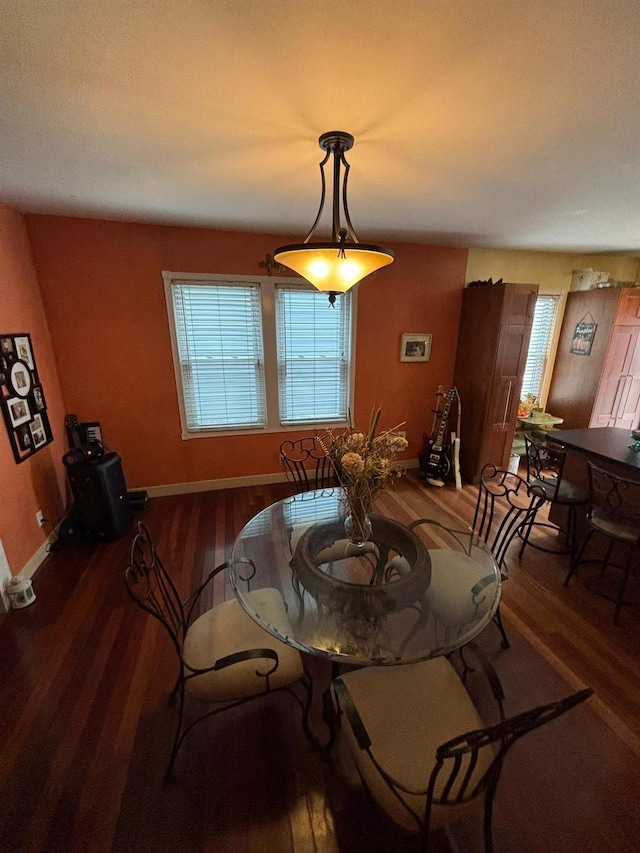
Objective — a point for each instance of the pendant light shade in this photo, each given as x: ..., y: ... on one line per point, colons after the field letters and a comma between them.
x: 334, y: 265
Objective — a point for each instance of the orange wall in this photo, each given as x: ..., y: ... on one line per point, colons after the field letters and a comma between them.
x: 104, y: 300
x: 38, y: 482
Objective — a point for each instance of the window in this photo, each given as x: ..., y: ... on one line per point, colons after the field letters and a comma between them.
x: 219, y: 338
x: 258, y: 353
x: 544, y: 320
x: 313, y: 369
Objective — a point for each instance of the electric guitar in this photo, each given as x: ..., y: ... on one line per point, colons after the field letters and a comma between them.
x: 434, y: 463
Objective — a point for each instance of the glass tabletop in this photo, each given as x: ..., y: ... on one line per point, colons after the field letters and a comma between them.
x: 405, y: 595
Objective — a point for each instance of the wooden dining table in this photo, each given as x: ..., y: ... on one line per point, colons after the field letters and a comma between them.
x: 402, y: 597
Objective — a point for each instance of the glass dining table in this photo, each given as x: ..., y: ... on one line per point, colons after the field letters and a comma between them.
x: 410, y: 593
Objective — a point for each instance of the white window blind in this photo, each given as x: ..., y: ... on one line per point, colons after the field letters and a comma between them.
x: 313, y: 351
x: 544, y: 320
x: 219, y: 339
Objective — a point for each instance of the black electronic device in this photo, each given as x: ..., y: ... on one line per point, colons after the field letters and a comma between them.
x: 82, y: 453
x: 138, y: 500
x: 79, y: 434
x: 101, y: 509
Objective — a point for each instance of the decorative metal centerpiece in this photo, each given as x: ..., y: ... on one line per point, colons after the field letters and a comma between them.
x: 330, y: 568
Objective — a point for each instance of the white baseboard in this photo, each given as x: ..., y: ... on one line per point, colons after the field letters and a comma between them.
x: 30, y: 567
x: 227, y: 483
x: 211, y: 485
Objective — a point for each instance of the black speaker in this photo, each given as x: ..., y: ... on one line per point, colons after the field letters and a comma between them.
x: 101, y: 509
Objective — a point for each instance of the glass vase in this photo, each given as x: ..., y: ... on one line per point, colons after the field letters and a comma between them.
x: 357, y: 522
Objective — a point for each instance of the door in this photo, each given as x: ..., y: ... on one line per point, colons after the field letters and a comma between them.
x: 505, y: 394
x: 618, y: 394
x: 628, y: 413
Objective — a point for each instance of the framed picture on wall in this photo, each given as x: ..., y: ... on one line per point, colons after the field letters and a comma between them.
x: 38, y: 397
x: 19, y: 411
x: 415, y: 347
x: 23, y: 350
x: 22, y: 397
x: 20, y: 378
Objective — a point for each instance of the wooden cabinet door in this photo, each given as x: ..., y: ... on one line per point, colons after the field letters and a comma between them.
x: 628, y: 412
x: 505, y: 394
x: 519, y: 304
x: 614, y: 405
x: 629, y: 308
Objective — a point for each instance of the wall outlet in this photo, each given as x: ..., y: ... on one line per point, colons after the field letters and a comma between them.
x: 40, y: 518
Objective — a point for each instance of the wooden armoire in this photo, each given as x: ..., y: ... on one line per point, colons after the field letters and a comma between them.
x: 493, y: 341
x: 603, y: 387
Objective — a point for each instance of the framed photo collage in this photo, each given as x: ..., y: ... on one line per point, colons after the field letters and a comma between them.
x: 24, y: 405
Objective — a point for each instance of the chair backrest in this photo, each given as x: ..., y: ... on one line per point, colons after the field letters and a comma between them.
x: 545, y: 464
x: 150, y: 586
x: 615, y: 496
x: 506, y: 503
x: 453, y: 780
x: 308, y: 464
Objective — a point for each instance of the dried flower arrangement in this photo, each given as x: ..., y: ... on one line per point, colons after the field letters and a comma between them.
x: 364, y: 463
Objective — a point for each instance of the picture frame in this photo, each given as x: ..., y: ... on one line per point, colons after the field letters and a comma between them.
x: 23, y: 350
x: 415, y: 346
x: 19, y: 410
x: 6, y: 345
x: 24, y: 437
x: 38, y: 398
x: 38, y: 433
x: 22, y: 398
x: 20, y: 378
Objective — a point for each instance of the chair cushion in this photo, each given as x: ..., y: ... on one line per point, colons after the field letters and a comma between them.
x: 615, y: 528
x: 568, y: 492
x: 227, y: 629
x: 450, y: 596
x: 409, y: 711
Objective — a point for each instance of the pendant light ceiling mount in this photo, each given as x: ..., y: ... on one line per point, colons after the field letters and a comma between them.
x: 334, y: 266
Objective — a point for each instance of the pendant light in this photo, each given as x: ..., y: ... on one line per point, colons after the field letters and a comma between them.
x: 335, y: 265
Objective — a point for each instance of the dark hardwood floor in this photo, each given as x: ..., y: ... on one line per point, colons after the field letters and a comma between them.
x: 86, y: 726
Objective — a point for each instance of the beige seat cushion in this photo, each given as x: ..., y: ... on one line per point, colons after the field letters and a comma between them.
x: 227, y: 629
x: 450, y: 596
x: 409, y: 711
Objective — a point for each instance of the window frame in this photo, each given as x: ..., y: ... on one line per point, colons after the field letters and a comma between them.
x: 267, y: 286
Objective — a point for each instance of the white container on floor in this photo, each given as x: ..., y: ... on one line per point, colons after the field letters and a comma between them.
x: 20, y: 592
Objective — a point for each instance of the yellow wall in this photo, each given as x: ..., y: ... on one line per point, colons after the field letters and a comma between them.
x: 552, y: 271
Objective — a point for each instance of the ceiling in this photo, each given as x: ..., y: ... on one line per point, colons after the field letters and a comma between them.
x: 480, y: 123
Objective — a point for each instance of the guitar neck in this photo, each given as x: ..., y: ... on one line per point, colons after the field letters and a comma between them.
x: 437, y: 444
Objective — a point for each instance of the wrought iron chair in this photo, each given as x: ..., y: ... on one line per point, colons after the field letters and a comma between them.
x: 307, y: 463
x: 614, y: 514
x: 506, y: 503
x: 545, y: 467
x: 442, y: 763
x: 224, y: 657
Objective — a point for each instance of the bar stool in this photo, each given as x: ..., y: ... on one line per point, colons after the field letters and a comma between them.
x: 545, y: 467
x: 615, y: 515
